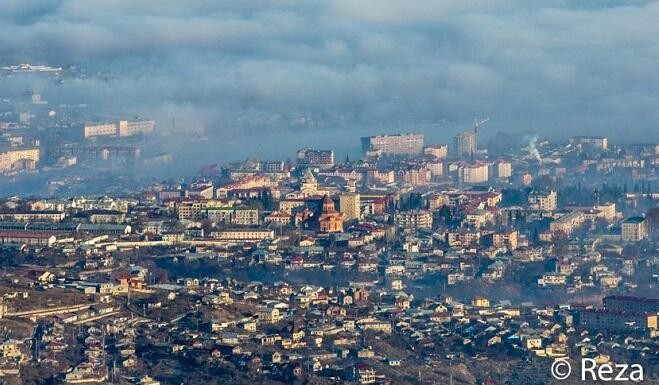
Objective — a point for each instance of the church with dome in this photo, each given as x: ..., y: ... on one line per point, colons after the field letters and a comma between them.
x: 330, y: 220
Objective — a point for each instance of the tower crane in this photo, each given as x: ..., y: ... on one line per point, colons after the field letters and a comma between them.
x: 479, y: 122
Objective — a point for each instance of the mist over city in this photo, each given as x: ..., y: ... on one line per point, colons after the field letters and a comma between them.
x: 229, y: 68
x: 211, y: 192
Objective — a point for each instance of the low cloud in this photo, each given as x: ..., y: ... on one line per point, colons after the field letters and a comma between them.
x: 555, y: 67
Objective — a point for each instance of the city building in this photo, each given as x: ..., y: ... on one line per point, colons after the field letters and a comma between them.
x: 320, y: 158
x: 308, y: 184
x: 19, y: 159
x: 240, y: 216
x: 631, y: 304
x: 600, y: 142
x: 137, y: 127
x: 568, y: 222
x: 243, y: 234
x: 123, y: 129
x: 349, y: 205
x: 543, y: 200
x: 33, y: 216
x: 501, y: 169
x: 608, y: 210
x: 439, y: 151
x: 415, y: 219
x: 200, y: 191
x: 400, y: 144
x: 634, y: 229
x: 437, y: 201
x: 191, y: 209
x: 464, y: 144
x: 92, y: 130
x: 474, y: 173
x: 617, y: 321
x: 330, y: 220
x: 464, y: 172
x: 503, y: 238
x: 30, y: 238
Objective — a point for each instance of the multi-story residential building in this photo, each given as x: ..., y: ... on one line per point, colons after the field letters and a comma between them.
x: 400, y: 144
x: 349, y: 205
x: 19, y: 159
x: 547, y: 201
x: 33, y: 216
x: 568, y: 222
x: 600, y: 142
x: 243, y: 234
x: 123, y: 128
x: 478, y: 218
x: 346, y: 173
x: 616, y: 320
x: 464, y: 144
x: 192, y: 209
x: 137, y: 127
x: 200, y: 191
x: 439, y: 151
x: 381, y: 176
x: 436, y: 201
x: 475, y: 173
x: 105, y: 216
x: 631, y: 304
x: 292, y: 206
x: 634, y: 229
x: 501, y: 169
x: 93, y: 130
x: 414, y: 175
x: 273, y: 166
x: 505, y: 238
x: 244, y: 183
x: 363, y: 374
x: 241, y: 216
x: 23, y: 237
x: 322, y: 158
x: 608, y: 210
x: 436, y: 168
x: 416, y: 219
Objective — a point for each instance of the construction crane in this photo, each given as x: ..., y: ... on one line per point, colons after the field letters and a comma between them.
x: 479, y: 122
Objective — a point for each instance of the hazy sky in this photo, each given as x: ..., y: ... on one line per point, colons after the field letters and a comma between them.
x: 352, y: 66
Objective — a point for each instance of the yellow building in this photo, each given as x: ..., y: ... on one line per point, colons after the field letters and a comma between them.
x: 140, y: 127
x: 193, y: 209
x: 12, y: 160
x: 330, y: 220
x: 568, y: 222
x: 543, y: 201
x: 436, y: 201
x: 608, y: 210
x: 10, y: 348
x: 101, y: 129
x: 349, y: 205
x: 439, y: 151
x: 480, y: 302
x: 33, y: 216
x: 243, y: 234
x: 634, y: 229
